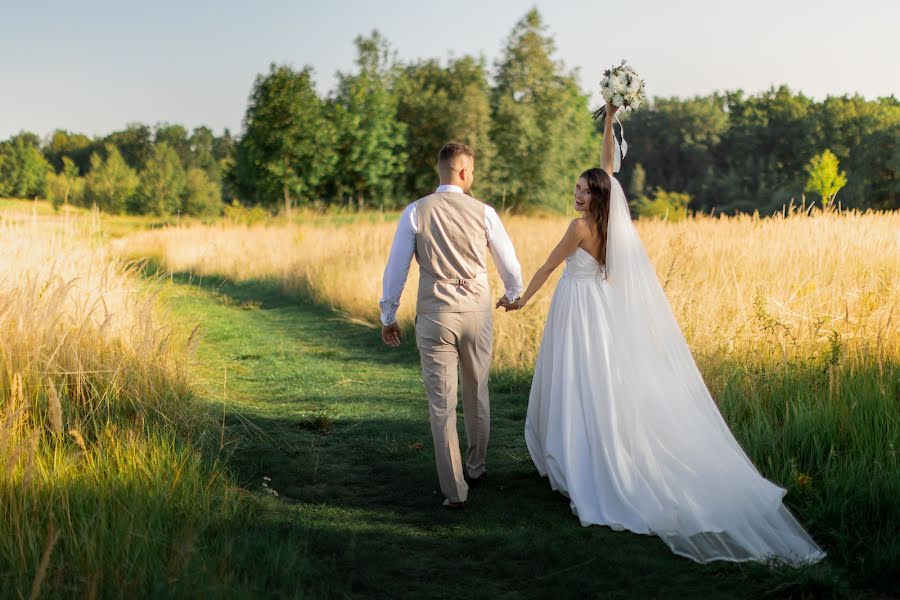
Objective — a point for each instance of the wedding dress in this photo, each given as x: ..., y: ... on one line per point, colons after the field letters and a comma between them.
x: 620, y: 420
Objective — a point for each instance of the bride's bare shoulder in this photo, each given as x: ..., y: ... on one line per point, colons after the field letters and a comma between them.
x: 580, y: 226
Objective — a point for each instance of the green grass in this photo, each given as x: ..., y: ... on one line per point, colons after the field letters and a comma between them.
x: 340, y: 425
x: 295, y: 400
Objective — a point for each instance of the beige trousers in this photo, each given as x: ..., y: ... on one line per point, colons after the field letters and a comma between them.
x: 457, y: 345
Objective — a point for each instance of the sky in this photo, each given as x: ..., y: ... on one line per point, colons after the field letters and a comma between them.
x: 95, y: 65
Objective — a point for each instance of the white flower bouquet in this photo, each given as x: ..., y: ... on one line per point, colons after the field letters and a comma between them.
x: 622, y: 87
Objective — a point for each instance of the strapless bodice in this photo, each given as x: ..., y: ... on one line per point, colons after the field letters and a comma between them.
x: 581, y: 265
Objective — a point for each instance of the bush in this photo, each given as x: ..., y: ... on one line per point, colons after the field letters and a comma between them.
x: 669, y: 206
x: 239, y: 214
x: 203, y: 198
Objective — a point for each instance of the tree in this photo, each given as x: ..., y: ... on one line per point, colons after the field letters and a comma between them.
x: 176, y: 137
x: 66, y: 186
x: 438, y: 104
x: 370, y: 138
x: 23, y: 168
x: 162, y: 183
x: 824, y: 177
x: 76, y: 146
x: 202, y: 143
x: 541, y: 125
x: 638, y: 181
x: 202, y: 197
x: 285, y: 151
x: 134, y: 143
x: 111, y: 184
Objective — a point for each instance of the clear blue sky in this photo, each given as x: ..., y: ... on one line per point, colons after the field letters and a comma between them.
x: 93, y: 66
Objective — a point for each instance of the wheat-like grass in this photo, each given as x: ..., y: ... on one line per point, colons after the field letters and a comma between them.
x: 776, y: 289
x: 82, y: 350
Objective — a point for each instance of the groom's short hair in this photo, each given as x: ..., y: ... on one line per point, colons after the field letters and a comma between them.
x: 450, y: 151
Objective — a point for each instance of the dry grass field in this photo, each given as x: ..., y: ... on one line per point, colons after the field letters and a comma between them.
x: 111, y: 474
x: 763, y: 291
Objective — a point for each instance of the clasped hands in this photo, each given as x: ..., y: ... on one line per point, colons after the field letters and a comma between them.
x: 392, y: 336
x: 506, y: 305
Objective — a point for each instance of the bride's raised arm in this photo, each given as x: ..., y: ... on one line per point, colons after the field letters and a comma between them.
x: 607, y: 154
x: 578, y: 230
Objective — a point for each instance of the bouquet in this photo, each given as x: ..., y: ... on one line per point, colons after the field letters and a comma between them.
x: 621, y: 87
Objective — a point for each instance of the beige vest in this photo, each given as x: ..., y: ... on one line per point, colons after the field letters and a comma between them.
x: 451, y: 249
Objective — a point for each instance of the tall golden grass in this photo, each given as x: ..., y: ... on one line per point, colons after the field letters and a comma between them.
x: 96, y: 472
x: 778, y: 289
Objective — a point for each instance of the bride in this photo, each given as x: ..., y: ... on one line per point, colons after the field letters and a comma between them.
x: 619, y: 418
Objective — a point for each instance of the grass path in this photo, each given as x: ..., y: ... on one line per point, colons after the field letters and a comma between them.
x: 340, y: 425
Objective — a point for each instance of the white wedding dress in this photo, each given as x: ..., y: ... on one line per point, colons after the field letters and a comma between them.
x: 620, y: 420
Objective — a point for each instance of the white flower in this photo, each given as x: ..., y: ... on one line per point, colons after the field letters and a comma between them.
x: 622, y: 87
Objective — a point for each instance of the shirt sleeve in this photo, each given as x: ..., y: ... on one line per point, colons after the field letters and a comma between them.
x: 397, y: 269
x: 504, y: 254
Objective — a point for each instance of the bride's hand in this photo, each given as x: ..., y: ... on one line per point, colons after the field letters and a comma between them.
x: 517, y: 305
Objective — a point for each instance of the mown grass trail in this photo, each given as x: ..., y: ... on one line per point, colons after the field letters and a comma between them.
x: 340, y: 425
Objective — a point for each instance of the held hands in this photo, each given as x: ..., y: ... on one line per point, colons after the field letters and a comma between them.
x: 390, y: 335
x: 504, y: 303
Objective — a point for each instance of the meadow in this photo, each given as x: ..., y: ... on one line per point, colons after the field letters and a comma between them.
x: 208, y: 407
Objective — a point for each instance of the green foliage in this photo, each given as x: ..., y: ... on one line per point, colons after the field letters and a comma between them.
x: 111, y: 184
x: 202, y: 152
x: 375, y: 138
x: 541, y: 123
x: 440, y: 104
x: 825, y: 178
x: 134, y: 143
x: 162, y: 184
x: 75, y: 146
x: 202, y: 197
x: 285, y: 150
x: 176, y: 138
x: 239, y: 214
x: 744, y: 153
x: 638, y: 181
x: 23, y: 168
x: 66, y: 186
x: 669, y: 206
x: 370, y: 138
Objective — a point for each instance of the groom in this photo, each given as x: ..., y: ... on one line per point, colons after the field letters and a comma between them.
x: 450, y: 234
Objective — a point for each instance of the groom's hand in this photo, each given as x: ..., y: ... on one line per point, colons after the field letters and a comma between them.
x: 503, y: 302
x: 390, y: 335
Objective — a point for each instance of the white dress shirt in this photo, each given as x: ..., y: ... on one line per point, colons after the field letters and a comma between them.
x: 404, y: 247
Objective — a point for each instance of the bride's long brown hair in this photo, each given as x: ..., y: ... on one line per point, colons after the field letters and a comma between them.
x: 598, y: 186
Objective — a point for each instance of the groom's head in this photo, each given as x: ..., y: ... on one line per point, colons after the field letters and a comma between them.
x: 456, y: 165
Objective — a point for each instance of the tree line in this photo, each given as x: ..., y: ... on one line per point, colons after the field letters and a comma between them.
x: 162, y: 170
x: 373, y: 140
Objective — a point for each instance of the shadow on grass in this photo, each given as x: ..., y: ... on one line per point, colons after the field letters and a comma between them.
x: 339, y: 425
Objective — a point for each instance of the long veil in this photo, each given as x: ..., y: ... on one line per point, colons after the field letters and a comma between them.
x: 681, y: 467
